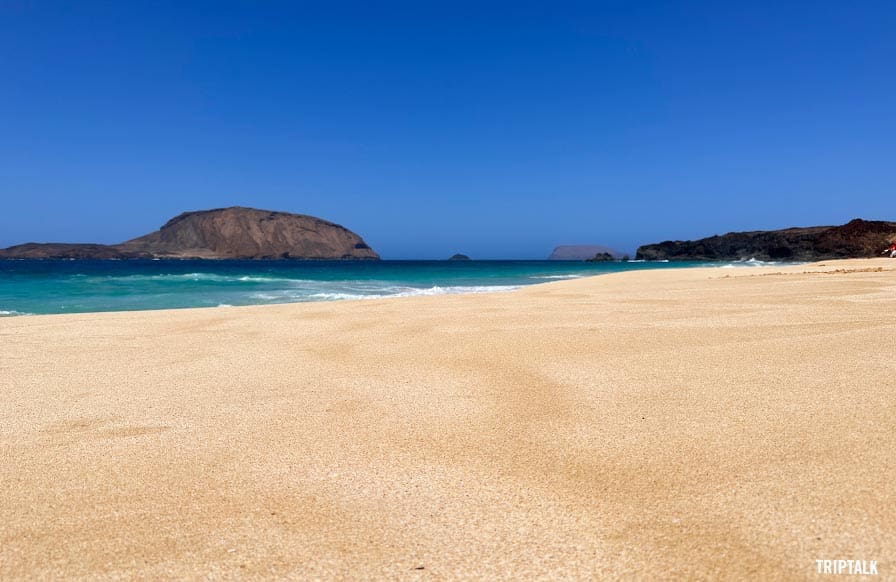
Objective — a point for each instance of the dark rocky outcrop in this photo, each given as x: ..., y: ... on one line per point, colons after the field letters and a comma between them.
x: 224, y: 233
x: 68, y: 251
x: 601, y: 258
x: 857, y: 238
x: 459, y: 257
x: 581, y: 252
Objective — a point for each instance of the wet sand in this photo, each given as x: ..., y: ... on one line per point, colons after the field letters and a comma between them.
x: 701, y: 423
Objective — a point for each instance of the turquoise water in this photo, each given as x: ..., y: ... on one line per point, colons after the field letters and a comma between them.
x: 73, y: 286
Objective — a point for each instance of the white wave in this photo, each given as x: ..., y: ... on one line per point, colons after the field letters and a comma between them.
x: 751, y: 262
x: 340, y: 296
x: 211, y: 277
x: 556, y: 276
x: 415, y: 292
x: 217, y: 278
x: 250, y: 279
x: 12, y: 313
x: 458, y: 289
x: 269, y: 296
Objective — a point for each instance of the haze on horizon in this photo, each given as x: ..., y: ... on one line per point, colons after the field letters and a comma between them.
x: 496, y: 129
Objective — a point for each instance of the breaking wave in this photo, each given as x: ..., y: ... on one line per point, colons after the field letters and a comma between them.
x: 204, y: 277
x: 12, y: 313
x: 751, y: 262
x: 290, y: 295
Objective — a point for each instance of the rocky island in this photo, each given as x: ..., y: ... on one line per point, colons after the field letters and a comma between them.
x: 855, y: 239
x: 602, y: 258
x: 582, y: 252
x: 222, y: 233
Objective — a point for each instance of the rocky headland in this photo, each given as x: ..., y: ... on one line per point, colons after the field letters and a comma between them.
x: 855, y: 239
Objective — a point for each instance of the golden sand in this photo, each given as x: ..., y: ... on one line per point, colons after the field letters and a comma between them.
x: 702, y: 423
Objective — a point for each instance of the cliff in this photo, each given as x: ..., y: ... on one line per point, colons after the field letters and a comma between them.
x: 857, y: 238
x: 224, y: 233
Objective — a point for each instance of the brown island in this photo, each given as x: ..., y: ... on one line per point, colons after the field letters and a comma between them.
x: 222, y: 233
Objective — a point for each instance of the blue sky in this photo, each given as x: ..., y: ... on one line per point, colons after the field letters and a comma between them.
x: 497, y: 129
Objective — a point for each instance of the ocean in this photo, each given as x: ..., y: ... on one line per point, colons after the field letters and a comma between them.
x: 77, y: 286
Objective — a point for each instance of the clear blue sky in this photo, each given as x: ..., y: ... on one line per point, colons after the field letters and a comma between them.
x: 498, y: 129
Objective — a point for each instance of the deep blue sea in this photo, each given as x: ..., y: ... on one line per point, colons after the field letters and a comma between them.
x: 73, y: 286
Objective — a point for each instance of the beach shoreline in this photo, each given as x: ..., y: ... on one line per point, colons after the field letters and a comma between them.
x: 653, y: 424
x: 84, y: 286
x: 297, y: 291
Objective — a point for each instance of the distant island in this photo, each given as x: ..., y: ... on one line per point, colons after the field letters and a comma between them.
x: 221, y: 233
x: 855, y: 239
x: 248, y: 233
x: 582, y: 252
x: 601, y: 258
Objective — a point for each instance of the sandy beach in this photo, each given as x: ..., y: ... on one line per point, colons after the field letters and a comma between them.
x: 719, y: 423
